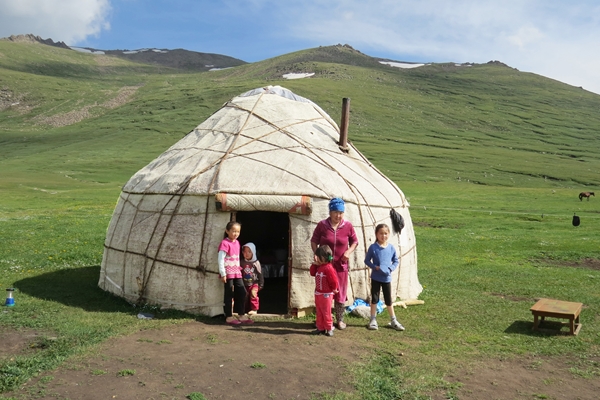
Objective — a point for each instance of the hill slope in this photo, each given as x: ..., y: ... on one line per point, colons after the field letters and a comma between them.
x: 69, y: 118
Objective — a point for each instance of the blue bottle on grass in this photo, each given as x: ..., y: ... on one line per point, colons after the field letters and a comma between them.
x: 10, y: 300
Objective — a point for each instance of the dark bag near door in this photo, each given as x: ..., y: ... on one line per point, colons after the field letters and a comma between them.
x: 576, y: 220
x: 397, y: 221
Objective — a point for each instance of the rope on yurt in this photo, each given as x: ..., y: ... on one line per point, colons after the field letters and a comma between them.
x: 143, y: 283
x: 146, y: 276
x: 349, y: 184
x: 283, y: 130
x: 218, y: 164
x: 127, y: 201
x: 404, y: 205
x: 180, y: 192
x: 110, y: 244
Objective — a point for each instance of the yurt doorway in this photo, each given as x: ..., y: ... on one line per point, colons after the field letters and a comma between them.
x: 270, y: 232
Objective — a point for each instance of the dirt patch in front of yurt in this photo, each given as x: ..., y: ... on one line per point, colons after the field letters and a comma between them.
x: 282, y: 360
x: 269, y: 359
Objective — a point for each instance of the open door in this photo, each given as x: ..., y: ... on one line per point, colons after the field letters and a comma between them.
x: 270, y: 232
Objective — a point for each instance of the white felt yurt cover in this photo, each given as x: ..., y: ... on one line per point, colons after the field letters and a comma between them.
x: 267, y: 149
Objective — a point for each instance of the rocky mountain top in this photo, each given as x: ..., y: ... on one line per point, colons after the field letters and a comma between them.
x: 29, y: 38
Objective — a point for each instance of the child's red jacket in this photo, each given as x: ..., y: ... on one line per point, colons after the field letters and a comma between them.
x: 325, y: 278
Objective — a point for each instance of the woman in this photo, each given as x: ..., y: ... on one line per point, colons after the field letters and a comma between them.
x: 340, y: 236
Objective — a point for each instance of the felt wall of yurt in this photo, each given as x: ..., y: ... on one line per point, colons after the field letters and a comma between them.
x: 265, y: 150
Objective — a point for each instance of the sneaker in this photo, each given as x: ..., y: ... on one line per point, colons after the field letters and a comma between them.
x: 329, y: 333
x: 317, y: 332
x: 396, y: 325
x: 341, y: 325
x: 252, y: 312
x: 373, y: 325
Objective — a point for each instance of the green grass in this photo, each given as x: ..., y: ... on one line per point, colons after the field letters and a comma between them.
x: 98, y: 372
x: 472, y: 257
x: 195, y: 396
x: 490, y: 158
x: 126, y: 372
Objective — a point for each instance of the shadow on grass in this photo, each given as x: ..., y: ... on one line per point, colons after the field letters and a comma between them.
x: 546, y: 328
x: 78, y: 287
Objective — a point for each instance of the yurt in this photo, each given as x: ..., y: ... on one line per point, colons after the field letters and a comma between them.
x: 271, y: 160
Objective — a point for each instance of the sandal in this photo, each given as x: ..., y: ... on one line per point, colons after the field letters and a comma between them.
x: 246, y: 321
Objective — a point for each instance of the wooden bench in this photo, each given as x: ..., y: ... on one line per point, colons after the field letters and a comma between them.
x: 557, y: 309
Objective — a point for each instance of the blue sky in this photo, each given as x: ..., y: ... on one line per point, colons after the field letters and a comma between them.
x: 554, y: 38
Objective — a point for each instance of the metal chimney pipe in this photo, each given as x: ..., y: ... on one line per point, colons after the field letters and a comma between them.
x: 344, y: 124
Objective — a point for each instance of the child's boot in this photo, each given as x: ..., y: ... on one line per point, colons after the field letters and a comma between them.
x: 339, y: 316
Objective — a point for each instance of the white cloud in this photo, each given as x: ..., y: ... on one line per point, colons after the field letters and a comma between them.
x: 525, y: 35
x: 69, y: 21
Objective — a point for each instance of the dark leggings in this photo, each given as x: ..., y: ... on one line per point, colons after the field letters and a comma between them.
x: 234, y: 290
x: 376, y: 286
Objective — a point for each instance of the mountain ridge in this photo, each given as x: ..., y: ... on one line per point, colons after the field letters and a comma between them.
x: 199, y: 61
x: 182, y: 59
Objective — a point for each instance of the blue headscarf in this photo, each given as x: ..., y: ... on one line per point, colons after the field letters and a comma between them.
x: 337, y: 204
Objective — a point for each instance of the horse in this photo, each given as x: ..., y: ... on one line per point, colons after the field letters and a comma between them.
x: 586, y: 194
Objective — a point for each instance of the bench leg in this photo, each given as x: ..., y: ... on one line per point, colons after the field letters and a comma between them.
x: 536, y: 322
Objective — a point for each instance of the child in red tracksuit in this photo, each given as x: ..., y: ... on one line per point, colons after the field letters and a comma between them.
x: 326, y: 285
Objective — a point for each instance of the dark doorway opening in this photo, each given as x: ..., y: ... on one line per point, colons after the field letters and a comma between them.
x: 270, y: 232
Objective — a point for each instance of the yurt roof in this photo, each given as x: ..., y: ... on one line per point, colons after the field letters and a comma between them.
x: 267, y: 141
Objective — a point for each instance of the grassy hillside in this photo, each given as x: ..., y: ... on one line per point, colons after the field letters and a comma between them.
x: 487, y: 124
x: 492, y: 160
